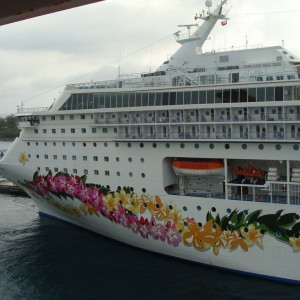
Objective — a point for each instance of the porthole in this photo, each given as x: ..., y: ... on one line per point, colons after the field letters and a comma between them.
x: 228, y: 210
x: 129, y: 145
x: 296, y: 147
x: 117, y: 159
x: 154, y: 145
x: 199, y: 207
x: 143, y: 190
x: 184, y: 208
x: 278, y: 147
x: 130, y: 159
x: 197, y: 146
x: 167, y: 145
x: 130, y: 174
x: 29, y: 155
x: 36, y: 143
x: 84, y: 144
x: 142, y: 145
x: 143, y: 175
x: 260, y: 146
x: 117, y: 145
x: 142, y: 160
x: 28, y: 143
x: 211, y: 146
x: 45, y: 143
x: 118, y: 173
x: 95, y: 144
x: 73, y: 144
x: 105, y: 144
x: 213, y: 209
x: 182, y: 145
x: 227, y: 146
x: 244, y: 146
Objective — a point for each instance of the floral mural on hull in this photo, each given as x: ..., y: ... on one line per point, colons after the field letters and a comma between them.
x: 237, y: 229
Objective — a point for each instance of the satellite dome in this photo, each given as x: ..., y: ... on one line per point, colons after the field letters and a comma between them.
x: 208, y: 3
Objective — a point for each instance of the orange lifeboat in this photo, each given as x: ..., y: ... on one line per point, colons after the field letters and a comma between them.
x: 198, y: 168
x: 249, y: 171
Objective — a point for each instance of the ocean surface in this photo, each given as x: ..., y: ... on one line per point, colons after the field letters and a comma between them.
x: 43, y: 258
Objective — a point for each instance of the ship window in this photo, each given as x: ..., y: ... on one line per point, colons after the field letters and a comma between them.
x: 280, y: 77
x: 210, y: 96
x: 63, y: 130
x: 82, y: 117
x: 130, y: 159
x: 292, y: 57
x: 72, y: 130
x: 138, y: 99
x: 74, y: 157
x: 44, y: 118
x: 54, y: 144
x: 218, y: 96
x: 52, y: 118
x: 83, y: 130
x: 279, y: 93
x: 47, y: 169
x: 44, y: 130
x: 194, y: 98
x: 202, y: 97
x: 243, y: 95
x: 235, y: 96
x: 85, y: 171
x: 55, y: 169
x: 115, y: 130
x: 62, y: 117
x: 130, y: 174
x: 36, y: 143
x: 117, y: 159
x: 187, y: 98
x: 118, y: 173
x: 75, y: 171
x: 142, y: 160
x: 64, y: 144
x: 151, y: 99
x: 158, y: 99
x: 291, y: 77
x: 36, y: 131
x: 270, y: 93
x: 71, y: 117
x: 95, y: 144
x: 179, y: 99
x: 37, y: 156
x: 251, y: 95
x: 106, y: 173
x: 284, y: 52
x: 113, y: 100
x: 269, y: 78
x: 143, y: 175
x: 46, y: 156
x: 84, y: 158
x: 224, y: 58
x: 96, y: 172
x: 45, y: 143
x: 55, y: 156
x: 106, y: 158
x: 165, y: 100
x: 125, y: 100
x: 94, y: 130
x: 104, y: 130
x: 53, y: 130
x: 172, y: 98
x: 64, y: 157
x: 95, y: 158
x: 106, y: 100
x: 131, y: 100
x: 261, y: 97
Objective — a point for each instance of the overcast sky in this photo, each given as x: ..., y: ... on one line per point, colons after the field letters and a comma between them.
x: 39, y: 56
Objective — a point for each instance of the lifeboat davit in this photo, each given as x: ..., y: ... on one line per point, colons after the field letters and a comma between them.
x: 198, y: 168
x: 249, y: 171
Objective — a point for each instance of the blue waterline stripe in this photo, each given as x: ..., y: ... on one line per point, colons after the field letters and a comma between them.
x: 244, y: 273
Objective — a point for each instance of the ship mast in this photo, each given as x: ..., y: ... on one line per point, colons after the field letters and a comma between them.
x: 197, y: 39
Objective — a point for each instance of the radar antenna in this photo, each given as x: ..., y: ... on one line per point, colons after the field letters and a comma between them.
x: 188, y: 27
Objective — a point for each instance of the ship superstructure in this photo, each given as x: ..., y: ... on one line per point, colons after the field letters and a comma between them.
x: 197, y: 160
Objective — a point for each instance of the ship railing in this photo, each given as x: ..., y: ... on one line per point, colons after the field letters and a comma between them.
x: 276, y: 199
x: 25, y: 110
x: 184, y: 78
x: 166, y: 134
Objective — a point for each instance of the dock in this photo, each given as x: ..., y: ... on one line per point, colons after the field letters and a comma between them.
x: 7, y: 187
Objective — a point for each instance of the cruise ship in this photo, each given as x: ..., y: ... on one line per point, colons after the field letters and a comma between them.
x: 199, y: 160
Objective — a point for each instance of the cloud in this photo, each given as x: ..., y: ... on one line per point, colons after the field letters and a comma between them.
x: 94, y: 41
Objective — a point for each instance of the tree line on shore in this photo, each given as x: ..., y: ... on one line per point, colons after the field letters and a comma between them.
x: 8, y: 128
